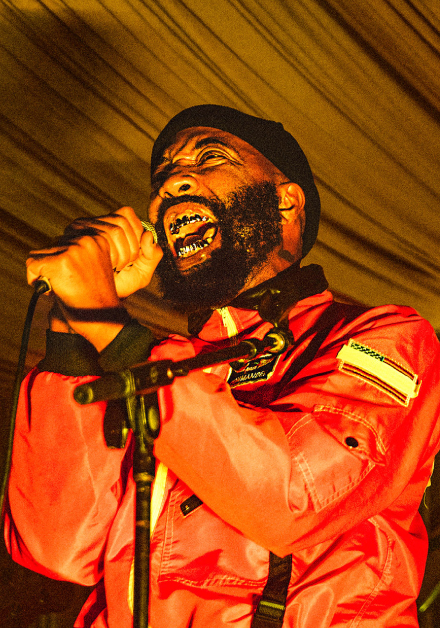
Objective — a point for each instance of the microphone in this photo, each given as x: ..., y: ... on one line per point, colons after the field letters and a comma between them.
x: 149, y: 227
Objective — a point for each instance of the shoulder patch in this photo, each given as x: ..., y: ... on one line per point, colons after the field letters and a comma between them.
x: 382, y: 372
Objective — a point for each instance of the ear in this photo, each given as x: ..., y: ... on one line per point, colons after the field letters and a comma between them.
x: 292, y: 200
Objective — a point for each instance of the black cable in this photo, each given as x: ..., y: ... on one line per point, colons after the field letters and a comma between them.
x: 40, y: 287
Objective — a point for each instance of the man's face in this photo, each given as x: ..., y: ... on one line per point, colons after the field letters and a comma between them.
x: 215, y: 208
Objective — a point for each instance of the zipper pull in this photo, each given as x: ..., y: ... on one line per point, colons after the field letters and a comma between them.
x: 228, y: 322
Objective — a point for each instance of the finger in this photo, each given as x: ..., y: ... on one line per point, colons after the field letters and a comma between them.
x: 122, y: 253
x: 149, y: 248
x: 52, y: 251
x: 129, y: 214
x: 32, y: 274
x: 121, y: 239
x: 39, y: 260
x: 132, y: 226
x: 75, y: 231
x: 130, y: 222
x: 124, y: 217
x: 122, y: 229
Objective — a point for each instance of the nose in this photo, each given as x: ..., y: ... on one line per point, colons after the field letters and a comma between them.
x: 177, y: 184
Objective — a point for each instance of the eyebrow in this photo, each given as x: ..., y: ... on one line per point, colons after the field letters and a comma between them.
x: 211, y: 140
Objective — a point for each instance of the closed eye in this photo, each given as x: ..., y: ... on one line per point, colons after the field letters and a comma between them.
x: 210, y: 155
x: 161, y: 176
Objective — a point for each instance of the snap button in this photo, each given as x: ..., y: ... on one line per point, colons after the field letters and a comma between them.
x: 351, y: 442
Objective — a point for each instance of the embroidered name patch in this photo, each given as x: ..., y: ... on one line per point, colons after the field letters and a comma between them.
x: 257, y: 370
x: 382, y: 372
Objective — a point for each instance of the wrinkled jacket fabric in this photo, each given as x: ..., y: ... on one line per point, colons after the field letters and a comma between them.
x: 327, y: 465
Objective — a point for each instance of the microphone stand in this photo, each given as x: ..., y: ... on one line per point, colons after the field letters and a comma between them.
x: 139, y: 385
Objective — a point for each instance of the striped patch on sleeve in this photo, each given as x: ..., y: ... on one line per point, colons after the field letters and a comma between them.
x: 382, y: 372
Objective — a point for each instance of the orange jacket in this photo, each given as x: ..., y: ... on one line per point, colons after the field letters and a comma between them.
x: 329, y: 466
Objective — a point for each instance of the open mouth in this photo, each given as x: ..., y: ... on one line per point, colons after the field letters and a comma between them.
x: 191, y: 233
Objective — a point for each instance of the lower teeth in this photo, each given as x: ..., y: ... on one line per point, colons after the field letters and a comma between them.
x: 192, y: 248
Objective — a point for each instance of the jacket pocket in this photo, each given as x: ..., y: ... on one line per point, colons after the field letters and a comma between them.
x: 200, y: 549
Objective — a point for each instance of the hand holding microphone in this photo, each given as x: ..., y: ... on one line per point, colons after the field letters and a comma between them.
x: 95, y: 264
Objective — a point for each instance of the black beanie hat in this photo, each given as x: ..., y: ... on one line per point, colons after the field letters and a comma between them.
x: 269, y: 138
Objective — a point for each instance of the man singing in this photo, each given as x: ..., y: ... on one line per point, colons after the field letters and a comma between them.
x: 287, y: 489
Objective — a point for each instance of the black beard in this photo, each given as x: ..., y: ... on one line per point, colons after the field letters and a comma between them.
x: 250, y: 227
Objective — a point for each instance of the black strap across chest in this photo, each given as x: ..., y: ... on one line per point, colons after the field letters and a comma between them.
x: 272, y: 605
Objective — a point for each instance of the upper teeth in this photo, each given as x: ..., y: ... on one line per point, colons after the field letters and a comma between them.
x: 185, y: 220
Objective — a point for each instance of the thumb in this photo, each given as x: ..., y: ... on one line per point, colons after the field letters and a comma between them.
x: 150, y: 253
x: 149, y: 257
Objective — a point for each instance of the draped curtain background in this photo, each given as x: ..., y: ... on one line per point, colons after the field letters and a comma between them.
x: 86, y: 85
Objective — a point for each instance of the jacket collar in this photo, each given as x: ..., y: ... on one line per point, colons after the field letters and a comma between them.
x: 273, y: 298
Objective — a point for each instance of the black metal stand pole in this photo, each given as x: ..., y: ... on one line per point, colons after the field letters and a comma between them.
x: 143, y: 416
x: 143, y: 481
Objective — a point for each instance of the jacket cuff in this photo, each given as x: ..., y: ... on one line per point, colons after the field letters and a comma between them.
x: 73, y: 355
x: 70, y: 354
x: 131, y: 346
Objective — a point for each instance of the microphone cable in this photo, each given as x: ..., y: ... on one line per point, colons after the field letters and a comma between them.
x: 41, y: 286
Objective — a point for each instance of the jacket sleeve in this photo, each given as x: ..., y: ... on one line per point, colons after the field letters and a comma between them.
x: 333, y: 449
x: 65, y: 483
